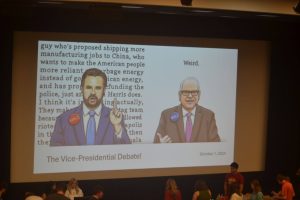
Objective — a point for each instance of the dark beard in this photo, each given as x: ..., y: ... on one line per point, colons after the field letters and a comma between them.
x: 92, y: 106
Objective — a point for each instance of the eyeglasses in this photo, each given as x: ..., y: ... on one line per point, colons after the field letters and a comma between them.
x: 187, y: 92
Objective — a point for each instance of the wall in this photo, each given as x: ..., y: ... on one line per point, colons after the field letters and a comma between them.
x: 282, y: 31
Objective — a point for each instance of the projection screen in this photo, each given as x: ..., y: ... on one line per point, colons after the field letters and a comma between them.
x: 144, y: 77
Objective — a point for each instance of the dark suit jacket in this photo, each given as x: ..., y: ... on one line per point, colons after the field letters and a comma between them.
x: 67, y: 134
x: 204, y: 127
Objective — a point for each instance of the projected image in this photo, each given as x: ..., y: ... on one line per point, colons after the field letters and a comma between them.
x: 105, y: 106
x: 187, y: 122
x: 79, y: 126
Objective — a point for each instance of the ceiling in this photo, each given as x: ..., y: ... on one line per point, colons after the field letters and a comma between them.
x: 264, y: 6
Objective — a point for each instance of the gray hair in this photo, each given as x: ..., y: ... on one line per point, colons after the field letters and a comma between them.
x: 190, y: 79
x: 194, y: 79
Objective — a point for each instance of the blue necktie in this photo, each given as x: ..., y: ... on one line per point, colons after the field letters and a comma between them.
x: 91, y: 129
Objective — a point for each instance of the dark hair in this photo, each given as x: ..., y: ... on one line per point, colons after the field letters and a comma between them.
x: 93, y: 72
x: 234, y: 165
x: 98, y: 188
x: 200, y: 185
x: 28, y: 194
x: 3, y: 185
x: 234, y: 188
x: 281, y: 177
x: 60, y: 187
x: 256, y: 185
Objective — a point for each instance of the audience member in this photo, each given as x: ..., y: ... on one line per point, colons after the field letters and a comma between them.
x: 2, y: 189
x: 73, y: 190
x: 287, y: 190
x: 201, y: 192
x: 256, y: 190
x: 59, y: 193
x: 235, y: 192
x: 98, y: 193
x: 233, y: 177
x: 50, y: 188
x: 172, y: 192
x: 32, y: 196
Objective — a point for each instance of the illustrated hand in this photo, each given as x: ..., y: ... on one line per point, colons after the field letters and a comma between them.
x: 164, y: 139
x: 115, y: 117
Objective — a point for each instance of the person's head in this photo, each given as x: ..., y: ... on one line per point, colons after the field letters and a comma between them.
x: 31, y: 195
x: 234, y: 167
x: 200, y: 185
x: 72, y: 184
x: 93, y: 84
x: 255, y: 186
x: 234, y: 188
x: 281, y: 178
x: 98, y: 191
x: 60, y: 188
x: 3, y: 187
x: 298, y: 172
x: 28, y: 194
x: 171, y: 184
x: 189, y: 93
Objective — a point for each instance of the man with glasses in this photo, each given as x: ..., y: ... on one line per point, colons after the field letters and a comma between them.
x: 187, y: 122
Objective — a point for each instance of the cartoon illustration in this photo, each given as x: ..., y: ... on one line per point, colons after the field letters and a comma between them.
x: 91, y: 123
x: 187, y: 122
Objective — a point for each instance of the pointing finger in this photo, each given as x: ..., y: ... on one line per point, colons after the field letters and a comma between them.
x: 115, y: 102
